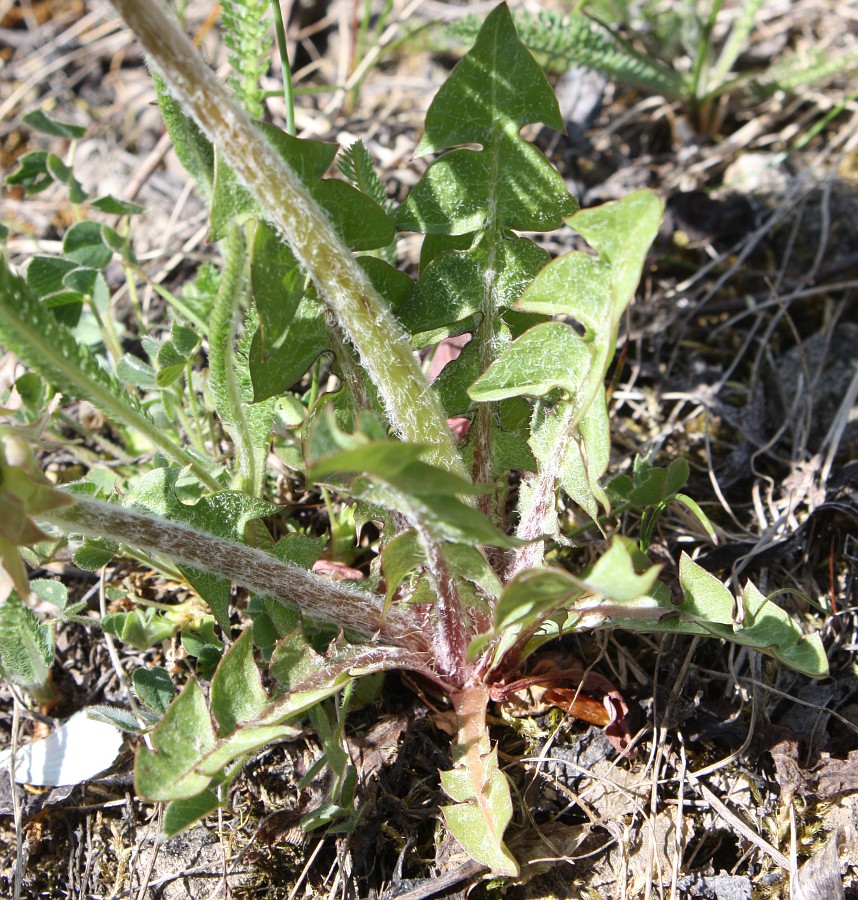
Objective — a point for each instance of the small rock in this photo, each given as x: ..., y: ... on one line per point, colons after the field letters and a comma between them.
x: 757, y: 173
x: 716, y: 887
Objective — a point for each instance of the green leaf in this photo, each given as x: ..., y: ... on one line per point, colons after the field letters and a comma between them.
x: 614, y: 575
x: 294, y: 661
x: 92, y: 555
x: 578, y: 463
x: 456, y: 378
x: 46, y: 274
x: 480, y: 196
x: 84, y: 245
x: 292, y: 331
x: 154, y: 688
x: 185, y: 339
x: 577, y: 39
x: 32, y: 173
x: 451, y: 520
x: 497, y: 85
x: 453, y: 195
x: 482, y: 805
x: 168, y: 772
x: 53, y: 592
x: 480, y: 816
x: 272, y: 621
x: 533, y: 594
x: 395, y: 463
x: 395, y: 478
x: 698, y: 514
x: 277, y: 284
x: 777, y: 633
x: 494, y: 91
x: 40, y: 121
x: 356, y: 165
x: 399, y: 558
x: 571, y: 438
x: 547, y: 356
x: 132, y: 370
x: 451, y: 288
x: 652, y: 485
x: 191, y: 146
x: 199, y: 638
x: 119, y: 244
x: 709, y: 608
x: 231, y: 202
x: 798, y: 70
x: 181, y: 814
x: 64, y: 175
x: 237, y: 693
x: 142, y: 628
x: 611, y: 584
x: 393, y: 285
x: 26, y: 646
x: 117, y: 207
x: 171, y: 364
x: 187, y: 752
x: 361, y: 222
x: 113, y: 715
x: 292, y: 352
x: 300, y: 549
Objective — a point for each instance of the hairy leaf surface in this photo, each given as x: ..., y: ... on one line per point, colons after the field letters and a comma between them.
x: 224, y: 514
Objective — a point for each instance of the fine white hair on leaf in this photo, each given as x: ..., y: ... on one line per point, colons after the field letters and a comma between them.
x: 253, y: 569
x: 410, y: 404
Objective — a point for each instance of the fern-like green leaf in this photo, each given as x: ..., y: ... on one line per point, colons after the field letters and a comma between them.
x: 578, y: 40
x: 800, y: 71
x: 245, y: 33
x: 355, y: 164
x: 31, y: 332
